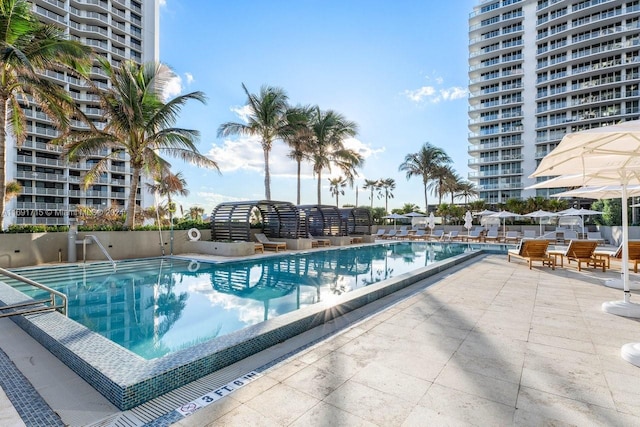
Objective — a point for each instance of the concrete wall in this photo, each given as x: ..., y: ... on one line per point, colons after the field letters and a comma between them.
x: 25, y: 249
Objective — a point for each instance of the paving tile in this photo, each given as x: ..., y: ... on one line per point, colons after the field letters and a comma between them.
x: 421, y: 416
x: 282, y: 403
x: 325, y: 415
x: 242, y: 416
x: 317, y: 381
x: 392, y: 381
x: 479, y: 385
x: 467, y: 407
x: 370, y: 404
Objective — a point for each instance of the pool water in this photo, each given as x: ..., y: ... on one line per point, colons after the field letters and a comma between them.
x: 154, y: 307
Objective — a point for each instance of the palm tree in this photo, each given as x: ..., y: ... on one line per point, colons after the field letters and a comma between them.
x: 423, y: 163
x: 11, y: 190
x: 266, y: 119
x: 26, y: 47
x: 467, y: 189
x: 440, y: 175
x: 297, y: 135
x: 196, y: 212
x: 139, y: 123
x: 387, y: 186
x: 452, y: 184
x: 336, y: 187
x: 330, y: 129
x: 167, y: 184
x: 372, y: 185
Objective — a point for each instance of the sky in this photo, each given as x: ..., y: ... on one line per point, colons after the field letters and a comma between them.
x: 396, y: 68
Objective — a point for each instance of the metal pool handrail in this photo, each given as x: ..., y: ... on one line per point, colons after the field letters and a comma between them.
x: 35, y: 306
x: 104, y: 251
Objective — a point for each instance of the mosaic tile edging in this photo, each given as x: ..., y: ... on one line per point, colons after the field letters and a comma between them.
x: 127, y: 380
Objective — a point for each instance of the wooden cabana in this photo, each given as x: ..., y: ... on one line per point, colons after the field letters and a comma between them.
x: 357, y: 220
x: 322, y: 220
x: 232, y: 220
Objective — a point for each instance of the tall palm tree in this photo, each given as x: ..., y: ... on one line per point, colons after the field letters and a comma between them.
x: 387, y: 186
x: 467, y: 189
x: 166, y: 184
x: 297, y: 135
x: 266, y: 119
x: 440, y: 175
x: 371, y: 185
x: 139, y: 122
x: 423, y: 163
x: 26, y: 47
x: 336, y: 187
x: 330, y: 129
x: 452, y: 183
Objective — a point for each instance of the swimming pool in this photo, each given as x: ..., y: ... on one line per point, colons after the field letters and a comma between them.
x: 128, y: 380
x: 158, y: 306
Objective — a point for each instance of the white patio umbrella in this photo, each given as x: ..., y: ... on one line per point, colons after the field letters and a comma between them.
x: 431, y: 221
x: 414, y: 214
x: 540, y: 214
x: 606, y: 192
x: 504, y: 215
x: 604, y: 156
x: 394, y: 217
x: 468, y: 221
x: 485, y: 212
x: 579, y: 212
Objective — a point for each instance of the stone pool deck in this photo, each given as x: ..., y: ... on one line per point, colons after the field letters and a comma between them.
x: 486, y: 343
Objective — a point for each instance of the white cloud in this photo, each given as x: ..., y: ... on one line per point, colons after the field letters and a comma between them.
x: 163, y: 3
x: 245, y: 153
x: 173, y: 87
x: 453, y: 93
x: 418, y: 95
x: 242, y: 112
x: 435, y: 95
x: 189, y: 78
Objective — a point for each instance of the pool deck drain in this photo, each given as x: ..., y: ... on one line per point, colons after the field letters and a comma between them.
x: 492, y: 343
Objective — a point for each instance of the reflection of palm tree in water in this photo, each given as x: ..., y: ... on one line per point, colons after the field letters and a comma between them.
x: 167, y: 304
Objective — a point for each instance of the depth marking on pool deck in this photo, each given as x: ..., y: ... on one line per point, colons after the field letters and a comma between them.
x: 191, y: 407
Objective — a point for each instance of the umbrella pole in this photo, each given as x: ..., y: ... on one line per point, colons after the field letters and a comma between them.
x: 624, y: 308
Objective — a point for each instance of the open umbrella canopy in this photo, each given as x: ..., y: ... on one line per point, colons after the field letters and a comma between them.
x: 608, y: 155
x: 540, y: 214
x: 394, y: 217
x: 601, y: 192
x: 414, y: 214
x: 485, y: 212
x: 504, y: 215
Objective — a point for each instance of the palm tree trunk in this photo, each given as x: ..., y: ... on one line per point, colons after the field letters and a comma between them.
x: 371, y: 198
x: 299, y: 167
x: 267, y: 175
x: 131, y: 207
x: 319, y: 187
x: 3, y: 171
x: 426, y: 202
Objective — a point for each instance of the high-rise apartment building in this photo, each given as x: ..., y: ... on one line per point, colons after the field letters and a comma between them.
x: 539, y: 69
x: 118, y: 30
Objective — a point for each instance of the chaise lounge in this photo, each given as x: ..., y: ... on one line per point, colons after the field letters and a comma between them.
x: 268, y: 244
x: 533, y: 250
x: 317, y: 243
x: 581, y: 251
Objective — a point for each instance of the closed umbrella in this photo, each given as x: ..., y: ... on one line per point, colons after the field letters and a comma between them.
x: 540, y: 214
x: 431, y: 221
x: 468, y: 221
x: 608, y: 155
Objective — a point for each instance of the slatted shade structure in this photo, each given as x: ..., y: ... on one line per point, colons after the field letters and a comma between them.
x: 357, y: 220
x: 231, y: 220
x: 322, y: 220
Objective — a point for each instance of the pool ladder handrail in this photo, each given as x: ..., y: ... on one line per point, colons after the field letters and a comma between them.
x: 104, y: 251
x: 37, y: 306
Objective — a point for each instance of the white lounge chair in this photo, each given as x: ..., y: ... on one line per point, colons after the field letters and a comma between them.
x: 436, y: 234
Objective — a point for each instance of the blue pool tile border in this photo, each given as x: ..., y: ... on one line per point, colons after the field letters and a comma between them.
x: 31, y: 407
x: 128, y: 380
